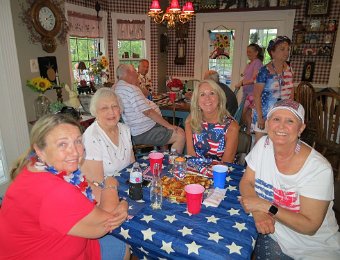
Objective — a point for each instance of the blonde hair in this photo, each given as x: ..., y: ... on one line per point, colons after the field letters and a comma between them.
x: 196, y: 112
x: 38, y: 135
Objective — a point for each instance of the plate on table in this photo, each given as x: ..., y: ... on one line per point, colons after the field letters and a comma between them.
x: 159, y: 97
x: 173, y: 188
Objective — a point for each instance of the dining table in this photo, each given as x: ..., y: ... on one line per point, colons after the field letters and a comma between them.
x: 179, y: 109
x: 223, y: 232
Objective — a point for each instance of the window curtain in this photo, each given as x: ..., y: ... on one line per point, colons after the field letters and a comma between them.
x: 130, y: 30
x: 84, y: 25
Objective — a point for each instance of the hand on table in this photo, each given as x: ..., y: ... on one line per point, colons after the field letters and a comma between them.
x: 264, y: 223
x: 254, y: 204
x: 119, y: 215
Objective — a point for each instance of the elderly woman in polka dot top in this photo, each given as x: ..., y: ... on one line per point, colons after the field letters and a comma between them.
x: 108, y: 147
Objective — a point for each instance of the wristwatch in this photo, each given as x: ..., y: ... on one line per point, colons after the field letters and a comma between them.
x: 273, y: 210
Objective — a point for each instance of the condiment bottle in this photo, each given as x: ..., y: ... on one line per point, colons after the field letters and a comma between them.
x: 180, y: 167
x: 136, y: 180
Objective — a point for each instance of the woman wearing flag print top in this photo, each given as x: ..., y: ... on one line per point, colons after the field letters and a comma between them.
x: 210, y: 130
x: 274, y: 82
x: 288, y: 188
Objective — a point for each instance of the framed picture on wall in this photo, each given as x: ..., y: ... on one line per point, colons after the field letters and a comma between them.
x: 48, y: 67
x: 308, y: 71
x: 317, y: 7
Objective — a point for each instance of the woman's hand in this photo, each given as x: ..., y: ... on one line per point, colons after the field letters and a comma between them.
x: 252, y: 204
x: 120, y: 214
x: 238, y: 85
x: 261, y: 122
x: 264, y: 223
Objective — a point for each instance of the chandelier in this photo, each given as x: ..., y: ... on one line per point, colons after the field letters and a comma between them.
x: 173, y: 13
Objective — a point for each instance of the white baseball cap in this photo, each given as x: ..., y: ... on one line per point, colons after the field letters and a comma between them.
x: 291, y: 105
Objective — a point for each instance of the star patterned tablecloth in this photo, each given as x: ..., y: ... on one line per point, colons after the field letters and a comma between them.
x: 225, y: 232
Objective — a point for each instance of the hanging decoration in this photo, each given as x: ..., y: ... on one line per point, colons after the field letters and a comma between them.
x: 219, y: 44
x: 173, y: 13
x: 98, y: 8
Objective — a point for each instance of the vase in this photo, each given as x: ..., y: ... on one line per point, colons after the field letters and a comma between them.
x: 41, y: 106
x: 97, y: 79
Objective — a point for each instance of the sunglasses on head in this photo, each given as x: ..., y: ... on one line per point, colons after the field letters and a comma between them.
x: 277, y: 40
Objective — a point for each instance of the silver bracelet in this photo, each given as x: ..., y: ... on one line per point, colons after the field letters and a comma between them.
x: 111, y: 187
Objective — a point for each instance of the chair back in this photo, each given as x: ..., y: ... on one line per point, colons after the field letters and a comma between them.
x: 327, y: 118
x: 244, y: 143
x: 304, y: 94
x: 243, y: 147
x: 239, y: 111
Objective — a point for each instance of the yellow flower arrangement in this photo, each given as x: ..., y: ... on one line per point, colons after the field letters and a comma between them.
x: 97, y: 66
x: 39, y: 84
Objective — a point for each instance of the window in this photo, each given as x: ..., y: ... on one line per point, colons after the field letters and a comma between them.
x: 131, y: 39
x: 262, y: 38
x: 86, y: 38
x: 131, y: 51
x: 246, y: 27
x: 84, y: 49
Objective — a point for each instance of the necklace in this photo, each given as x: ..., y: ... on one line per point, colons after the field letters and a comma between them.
x: 76, y: 178
x: 279, y: 78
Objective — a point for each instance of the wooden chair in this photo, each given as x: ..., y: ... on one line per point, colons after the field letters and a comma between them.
x: 243, y: 147
x: 326, y: 117
x: 304, y: 94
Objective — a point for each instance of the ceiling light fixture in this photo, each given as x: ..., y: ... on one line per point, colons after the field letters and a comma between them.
x: 173, y: 13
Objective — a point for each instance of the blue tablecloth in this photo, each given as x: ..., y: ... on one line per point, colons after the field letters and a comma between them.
x: 226, y: 232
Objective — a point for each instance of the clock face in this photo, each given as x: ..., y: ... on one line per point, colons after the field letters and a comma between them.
x: 47, y: 18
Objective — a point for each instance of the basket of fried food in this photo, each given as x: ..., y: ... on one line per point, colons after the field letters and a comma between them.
x: 173, y: 188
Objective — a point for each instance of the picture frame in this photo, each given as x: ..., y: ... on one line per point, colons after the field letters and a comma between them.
x: 328, y: 38
x: 317, y: 7
x: 315, y: 25
x: 48, y: 68
x: 308, y: 71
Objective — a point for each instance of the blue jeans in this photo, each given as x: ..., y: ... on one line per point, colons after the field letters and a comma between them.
x: 267, y: 248
x: 111, y: 248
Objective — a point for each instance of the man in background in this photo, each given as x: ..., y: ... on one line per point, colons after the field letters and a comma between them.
x: 144, y: 80
x: 147, y: 126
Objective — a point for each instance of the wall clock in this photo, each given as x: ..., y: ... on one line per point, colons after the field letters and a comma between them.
x: 46, y: 22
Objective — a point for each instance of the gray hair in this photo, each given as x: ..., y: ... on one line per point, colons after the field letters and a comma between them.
x: 123, y: 69
x: 212, y: 75
x: 101, y: 93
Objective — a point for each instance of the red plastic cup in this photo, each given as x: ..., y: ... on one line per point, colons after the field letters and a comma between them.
x: 156, y: 158
x: 172, y: 96
x: 194, y: 195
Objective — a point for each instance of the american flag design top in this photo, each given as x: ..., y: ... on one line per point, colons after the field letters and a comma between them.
x: 210, y: 143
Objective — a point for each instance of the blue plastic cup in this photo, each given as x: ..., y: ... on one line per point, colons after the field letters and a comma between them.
x: 219, y: 175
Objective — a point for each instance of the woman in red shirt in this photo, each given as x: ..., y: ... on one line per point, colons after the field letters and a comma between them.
x: 49, y: 210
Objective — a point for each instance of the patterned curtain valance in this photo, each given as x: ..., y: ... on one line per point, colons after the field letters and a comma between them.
x: 84, y: 25
x: 130, y: 30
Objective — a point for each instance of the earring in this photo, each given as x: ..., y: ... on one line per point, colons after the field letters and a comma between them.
x: 298, y: 145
